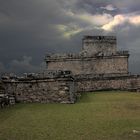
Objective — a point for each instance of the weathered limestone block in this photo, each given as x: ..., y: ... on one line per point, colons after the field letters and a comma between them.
x: 126, y: 83
x: 44, y: 91
x: 96, y: 44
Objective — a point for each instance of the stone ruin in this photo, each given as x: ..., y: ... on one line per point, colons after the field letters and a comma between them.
x: 99, y: 66
x: 99, y: 55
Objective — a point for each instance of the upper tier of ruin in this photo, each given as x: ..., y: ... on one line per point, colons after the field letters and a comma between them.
x: 99, y: 55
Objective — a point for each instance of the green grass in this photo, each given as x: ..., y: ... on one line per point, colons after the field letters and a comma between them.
x: 96, y: 116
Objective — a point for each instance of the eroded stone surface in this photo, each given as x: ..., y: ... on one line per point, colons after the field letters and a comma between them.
x: 43, y: 91
x: 98, y: 56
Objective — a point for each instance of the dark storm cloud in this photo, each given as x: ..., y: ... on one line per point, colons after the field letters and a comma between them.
x: 31, y: 28
x: 26, y: 28
x: 125, y: 6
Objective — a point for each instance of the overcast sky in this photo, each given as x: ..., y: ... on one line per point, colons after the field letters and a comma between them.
x: 31, y: 28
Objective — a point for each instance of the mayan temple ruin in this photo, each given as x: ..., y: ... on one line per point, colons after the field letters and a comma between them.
x: 99, y: 55
x: 98, y: 66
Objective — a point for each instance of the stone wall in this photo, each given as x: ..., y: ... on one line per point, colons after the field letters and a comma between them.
x: 91, y: 65
x: 67, y: 89
x: 58, y: 90
x: 126, y: 83
x: 95, y: 44
x: 98, y: 56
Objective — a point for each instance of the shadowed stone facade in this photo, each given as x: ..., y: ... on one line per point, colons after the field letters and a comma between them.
x: 98, y: 56
x: 90, y: 83
x: 43, y: 88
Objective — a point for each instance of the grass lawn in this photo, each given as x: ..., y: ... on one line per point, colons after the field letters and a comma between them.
x: 96, y: 116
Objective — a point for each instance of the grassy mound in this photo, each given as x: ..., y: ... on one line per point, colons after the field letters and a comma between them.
x: 96, y: 116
